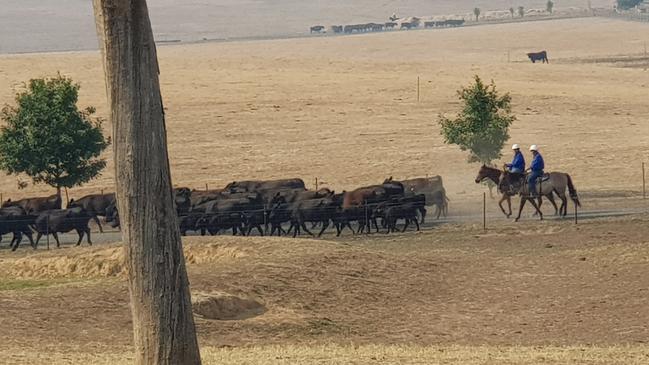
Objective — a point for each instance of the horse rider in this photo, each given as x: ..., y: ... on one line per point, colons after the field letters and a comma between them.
x: 536, y: 169
x: 517, y: 167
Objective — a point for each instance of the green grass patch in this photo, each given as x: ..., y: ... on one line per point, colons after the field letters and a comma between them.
x: 19, y: 284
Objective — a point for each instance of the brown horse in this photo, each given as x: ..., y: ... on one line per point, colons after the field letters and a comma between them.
x: 553, y: 182
x: 494, y: 175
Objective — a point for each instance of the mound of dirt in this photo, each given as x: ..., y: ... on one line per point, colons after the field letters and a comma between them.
x: 223, y: 306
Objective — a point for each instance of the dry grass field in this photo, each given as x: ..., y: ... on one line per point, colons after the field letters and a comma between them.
x: 546, y: 293
x: 344, y: 109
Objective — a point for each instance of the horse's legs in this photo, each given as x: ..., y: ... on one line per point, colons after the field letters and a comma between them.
x: 509, y: 205
x: 563, y: 210
x: 554, y: 204
x: 537, y: 208
x: 500, y: 204
x: 520, y: 209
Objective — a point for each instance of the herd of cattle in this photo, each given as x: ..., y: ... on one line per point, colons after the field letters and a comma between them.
x: 413, y: 23
x: 267, y: 207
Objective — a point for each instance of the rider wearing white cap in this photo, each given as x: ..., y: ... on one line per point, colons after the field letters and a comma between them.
x: 518, y: 163
x: 537, y: 167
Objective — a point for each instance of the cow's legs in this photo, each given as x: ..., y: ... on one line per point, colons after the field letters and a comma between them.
x: 38, y: 237
x: 325, y: 225
x: 405, y: 226
x: 303, y: 224
x: 417, y: 223
x: 88, y: 236
x: 80, y: 232
x: 56, y: 237
x: 96, y: 219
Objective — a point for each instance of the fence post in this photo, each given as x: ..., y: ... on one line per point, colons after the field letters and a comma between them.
x: 47, y: 231
x: 206, y: 187
x: 484, y: 211
x: 316, y: 184
x: 644, y: 183
x: 576, y: 214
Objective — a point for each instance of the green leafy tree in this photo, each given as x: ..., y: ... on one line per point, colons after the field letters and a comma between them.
x: 627, y: 4
x: 482, y: 127
x: 511, y: 11
x: 48, y: 138
x: 476, y: 12
x: 521, y: 11
x: 549, y: 6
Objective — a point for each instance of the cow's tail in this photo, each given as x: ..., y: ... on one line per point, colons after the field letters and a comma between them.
x: 573, y: 191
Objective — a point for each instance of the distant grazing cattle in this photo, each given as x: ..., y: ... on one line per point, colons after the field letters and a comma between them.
x: 35, y: 205
x: 337, y: 29
x: 454, y: 22
x: 538, y: 56
x: 317, y: 29
x: 390, y: 25
x: 408, y: 25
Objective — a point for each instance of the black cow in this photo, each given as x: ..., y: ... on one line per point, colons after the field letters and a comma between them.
x: 407, y: 211
x: 15, y: 220
x: 538, y: 56
x: 337, y: 29
x: 95, y: 205
x: 313, y: 210
x: 63, y: 221
x: 317, y: 29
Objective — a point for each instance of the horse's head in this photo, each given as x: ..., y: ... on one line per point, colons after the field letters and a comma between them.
x: 482, y: 174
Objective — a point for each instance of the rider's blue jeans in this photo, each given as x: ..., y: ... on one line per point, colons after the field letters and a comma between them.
x: 531, y: 180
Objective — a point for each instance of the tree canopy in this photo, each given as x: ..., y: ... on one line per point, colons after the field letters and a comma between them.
x: 549, y: 6
x: 48, y: 138
x: 482, y: 127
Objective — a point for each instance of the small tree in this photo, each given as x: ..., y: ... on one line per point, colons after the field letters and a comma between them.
x: 511, y: 11
x: 521, y: 11
x: 47, y: 138
x: 476, y: 12
x: 549, y: 6
x: 482, y: 127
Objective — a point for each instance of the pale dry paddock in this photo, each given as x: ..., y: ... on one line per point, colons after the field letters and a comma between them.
x: 344, y: 109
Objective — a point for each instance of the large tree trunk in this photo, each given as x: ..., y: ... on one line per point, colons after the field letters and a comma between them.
x: 163, y: 323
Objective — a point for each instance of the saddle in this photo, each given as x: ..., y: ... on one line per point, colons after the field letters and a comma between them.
x: 544, y: 178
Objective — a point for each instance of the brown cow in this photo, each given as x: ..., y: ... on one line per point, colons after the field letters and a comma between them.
x: 36, y: 205
x: 95, y: 205
x: 431, y: 187
x: 256, y: 185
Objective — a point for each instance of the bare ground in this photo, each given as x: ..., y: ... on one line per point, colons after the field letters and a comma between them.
x: 545, y: 284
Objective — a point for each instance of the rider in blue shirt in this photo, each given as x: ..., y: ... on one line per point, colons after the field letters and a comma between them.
x: 518, y: 163
x: 537, y: 168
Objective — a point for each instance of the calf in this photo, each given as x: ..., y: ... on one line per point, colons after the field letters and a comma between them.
x: 407, y: 211
x: 63, y: 221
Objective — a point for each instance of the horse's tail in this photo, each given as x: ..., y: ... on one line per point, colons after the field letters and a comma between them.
x: 573, y: 191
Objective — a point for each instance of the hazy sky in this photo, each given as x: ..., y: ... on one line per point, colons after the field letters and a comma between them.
x: 55, y: 25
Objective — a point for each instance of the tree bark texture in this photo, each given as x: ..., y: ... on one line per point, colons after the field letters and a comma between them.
x: 163, y: 322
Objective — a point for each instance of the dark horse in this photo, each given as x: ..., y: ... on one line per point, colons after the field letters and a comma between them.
x: 538, y: 56
x: 494, y: 175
